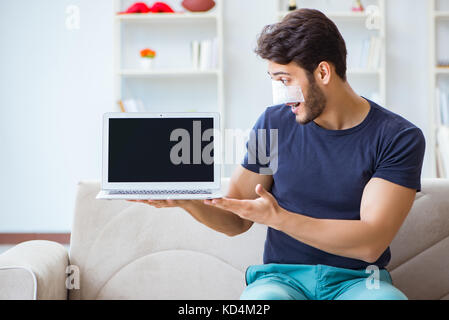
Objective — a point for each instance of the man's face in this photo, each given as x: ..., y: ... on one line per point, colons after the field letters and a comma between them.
x: 293, y: 75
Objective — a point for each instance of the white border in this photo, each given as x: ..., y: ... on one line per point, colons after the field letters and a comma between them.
x: 158, y: 185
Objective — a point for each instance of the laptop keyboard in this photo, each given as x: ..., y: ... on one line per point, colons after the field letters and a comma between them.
x: 158, y: 192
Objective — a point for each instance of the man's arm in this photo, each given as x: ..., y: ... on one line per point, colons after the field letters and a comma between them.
x: 384, y: 207
x: 242, y: 186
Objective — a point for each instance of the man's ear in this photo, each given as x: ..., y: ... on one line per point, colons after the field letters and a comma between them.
x: 323, y: 73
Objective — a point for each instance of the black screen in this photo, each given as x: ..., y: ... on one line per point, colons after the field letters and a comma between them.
x: 140, y: 150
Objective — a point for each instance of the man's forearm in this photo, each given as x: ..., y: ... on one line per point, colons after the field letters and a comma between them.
x: 217, y: 219
x: 349, y: 238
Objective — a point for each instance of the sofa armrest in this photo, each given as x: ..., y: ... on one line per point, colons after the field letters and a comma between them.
x: 34, y: 270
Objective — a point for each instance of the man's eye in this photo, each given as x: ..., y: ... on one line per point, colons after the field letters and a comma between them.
x: 284, y: 81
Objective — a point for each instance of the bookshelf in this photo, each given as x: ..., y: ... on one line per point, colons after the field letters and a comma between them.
x: 172, y: 84
x: 369, y: 79
x: 438, y: 144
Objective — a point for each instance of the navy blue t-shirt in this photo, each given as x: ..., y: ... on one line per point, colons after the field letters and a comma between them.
x: 322, y: 173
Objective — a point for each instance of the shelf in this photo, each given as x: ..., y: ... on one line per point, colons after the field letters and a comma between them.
x: 442, y: 15
x: 166, y: 73
x: 342, y: 15
x: 442, y: 70
x: 151, y: 17
x: 364, y: 71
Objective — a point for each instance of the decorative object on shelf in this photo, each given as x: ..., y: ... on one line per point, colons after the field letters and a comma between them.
x: 373, y: 17
x: 357, y: 6
x: 141, y: 7
x: 198, y: 5
x: 161, y: 7
x: 138, y: 7
x: 443, y: 64
x: 146, y: 58
x: 292, y: 5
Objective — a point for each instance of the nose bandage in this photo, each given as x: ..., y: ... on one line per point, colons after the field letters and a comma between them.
x: 283, y: 94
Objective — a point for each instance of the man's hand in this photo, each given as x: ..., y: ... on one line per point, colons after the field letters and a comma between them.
x: 166, y: 203
x: 242, y: 186
x: 264, y: 210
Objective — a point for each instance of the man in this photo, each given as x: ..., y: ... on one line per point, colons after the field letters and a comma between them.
x: 347, y: 172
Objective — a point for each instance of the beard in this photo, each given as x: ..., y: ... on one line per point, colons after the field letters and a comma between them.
x: 314, y: 105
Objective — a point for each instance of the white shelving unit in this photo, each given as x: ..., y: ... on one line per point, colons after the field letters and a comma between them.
x: 340, y: 12
x: 438, y: 13
x: 188, y: 16
x: 178, y: 25
x: 166, y: 72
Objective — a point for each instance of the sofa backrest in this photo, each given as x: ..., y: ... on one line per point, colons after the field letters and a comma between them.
x: 420, y: 251
x: 130, y: 250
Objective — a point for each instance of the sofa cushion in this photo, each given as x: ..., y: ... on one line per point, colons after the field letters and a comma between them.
x: 175, y: 274
x: 109, y: 235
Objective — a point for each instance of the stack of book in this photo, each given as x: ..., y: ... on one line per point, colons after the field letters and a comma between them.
x: 443, y: 133
x: 131, y: 105
x: 204, y: 54
x: 443, y: 151
x: 443, y: 107
x: 369, y: 54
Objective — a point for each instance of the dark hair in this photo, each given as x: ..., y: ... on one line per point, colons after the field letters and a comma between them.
x: 307, y: 37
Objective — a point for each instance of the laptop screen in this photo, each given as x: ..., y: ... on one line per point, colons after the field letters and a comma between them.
x: 161, y: 150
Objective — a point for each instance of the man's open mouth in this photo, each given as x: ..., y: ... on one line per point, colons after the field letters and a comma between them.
x: 295, y: 107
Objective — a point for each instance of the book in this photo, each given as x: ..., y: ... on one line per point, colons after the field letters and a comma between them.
x: 122, y: 107
x: 131, y: 105
x: 443, y: 147
x: 214, y: 58
x: 363, y: 61
x: 374, y: 53
x: 439, y: 161
x: 437, y: 107
x: 195, y: 47
x: 370, y: 57
x: 444, y: 108
x: 206, y: 53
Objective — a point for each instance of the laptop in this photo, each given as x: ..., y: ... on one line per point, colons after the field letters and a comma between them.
x: 160, y: 156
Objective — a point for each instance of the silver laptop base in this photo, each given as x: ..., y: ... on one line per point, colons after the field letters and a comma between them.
x: 157, y: 194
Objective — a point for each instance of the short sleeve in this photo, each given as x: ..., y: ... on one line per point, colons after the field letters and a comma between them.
x: 259, y: 149
x: 402, y: 159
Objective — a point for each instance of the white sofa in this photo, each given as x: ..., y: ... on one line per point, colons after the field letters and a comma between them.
x: 127, y: 250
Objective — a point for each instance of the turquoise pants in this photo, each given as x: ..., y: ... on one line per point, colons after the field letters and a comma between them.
x: 318, y: 282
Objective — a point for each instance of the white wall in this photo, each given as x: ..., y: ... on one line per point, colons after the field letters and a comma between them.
x: 407, y: 65
x: 55, y: 84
